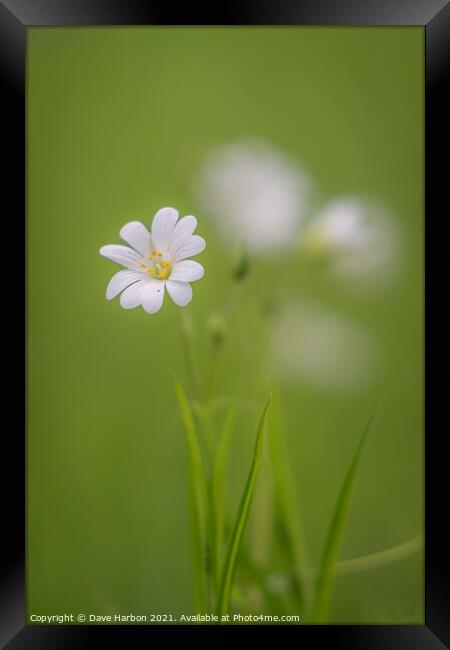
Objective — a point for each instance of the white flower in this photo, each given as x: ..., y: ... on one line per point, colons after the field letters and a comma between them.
x: 323, y: 348
x: 156, y: 261
x: 255, y: 191
x: 354, y: 238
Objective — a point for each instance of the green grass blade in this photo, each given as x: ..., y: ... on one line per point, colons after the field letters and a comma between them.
x: 198, y: 498
x: 336, y: 531
x: 229, y: 567
x: 287, y: 510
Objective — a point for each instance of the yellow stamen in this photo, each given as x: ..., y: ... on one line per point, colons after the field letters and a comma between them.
x: 142, y: 265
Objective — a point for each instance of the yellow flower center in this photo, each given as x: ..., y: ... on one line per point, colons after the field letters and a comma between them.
x: 158, y: 267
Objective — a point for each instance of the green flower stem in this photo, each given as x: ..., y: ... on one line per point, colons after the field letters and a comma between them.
x: 218, y: 478
x: 206, y: 417
x: 199, y: 500
x: 210, y: 556
x: 214, y: 357
x: 289, y: 514
x: 188, y: 345
x: 375, y: 560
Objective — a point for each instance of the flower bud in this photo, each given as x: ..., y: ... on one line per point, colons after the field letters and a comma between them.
x: 241, y: 264
x: 217, y: 329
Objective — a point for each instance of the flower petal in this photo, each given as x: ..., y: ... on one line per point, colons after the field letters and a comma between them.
x: 180, y: 292
x: 188, y: 247
x: 187, y: 271
x: 122, y: 255
x: 184, y: 229
x: 163, y: 226
x: 152, y: 297
x: 120, y: 281
x: 137, y: 235
x: 132, y: 296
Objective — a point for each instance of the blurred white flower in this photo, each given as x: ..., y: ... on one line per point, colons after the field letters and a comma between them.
x: 255, y: 193
x: 323, y: 348
x: 156, y: 261
x: 354, y: 238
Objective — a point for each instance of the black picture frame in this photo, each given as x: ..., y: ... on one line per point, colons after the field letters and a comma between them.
x: 434, y: 15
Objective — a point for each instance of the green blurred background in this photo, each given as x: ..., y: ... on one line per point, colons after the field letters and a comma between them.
x: 119, y: 120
